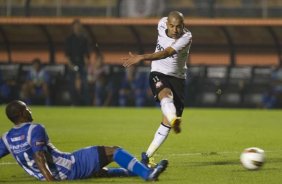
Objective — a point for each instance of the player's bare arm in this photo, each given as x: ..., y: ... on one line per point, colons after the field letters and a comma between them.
x: 134, y: 59
x: 41, y: 161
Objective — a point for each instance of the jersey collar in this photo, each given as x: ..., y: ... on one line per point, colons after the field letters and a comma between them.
x: 20, y: 125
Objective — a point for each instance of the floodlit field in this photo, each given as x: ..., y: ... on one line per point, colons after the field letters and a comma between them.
x: 206, y: 152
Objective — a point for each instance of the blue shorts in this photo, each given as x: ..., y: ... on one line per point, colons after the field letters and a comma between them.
x: 87, y: 162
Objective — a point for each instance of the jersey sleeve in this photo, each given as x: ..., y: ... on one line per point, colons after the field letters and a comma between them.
x: 162, y: 27
x: 3, y: 149
x: 182, y: 42
x: 39, y: 138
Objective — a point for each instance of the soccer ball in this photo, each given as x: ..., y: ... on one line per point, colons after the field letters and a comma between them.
x: 252, y: 158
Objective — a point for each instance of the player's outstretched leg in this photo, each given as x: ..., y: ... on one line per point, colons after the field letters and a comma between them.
x: 159, y: 138
x: 127, y: 161
x: 169, y: 111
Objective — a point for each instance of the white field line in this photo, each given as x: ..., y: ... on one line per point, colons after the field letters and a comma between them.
x: 8, y: 163
x: 212, y: 153
x: 178, y: 155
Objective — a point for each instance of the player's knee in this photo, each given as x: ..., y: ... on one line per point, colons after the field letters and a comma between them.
x: 110, y: 151
x: 111, y: 148
x: 165, y: 93
x: 115, y: 147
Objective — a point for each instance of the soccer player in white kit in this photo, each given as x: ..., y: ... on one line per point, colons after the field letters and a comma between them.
x: 167, y: 77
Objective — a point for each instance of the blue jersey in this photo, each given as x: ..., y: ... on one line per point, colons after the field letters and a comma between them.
x: 24, y: 140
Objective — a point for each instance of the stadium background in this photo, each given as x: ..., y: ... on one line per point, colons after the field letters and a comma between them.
x: 234, y: 61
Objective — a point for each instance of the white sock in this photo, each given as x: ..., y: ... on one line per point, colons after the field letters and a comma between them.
x: 168, y: 108
x: 160, y: 136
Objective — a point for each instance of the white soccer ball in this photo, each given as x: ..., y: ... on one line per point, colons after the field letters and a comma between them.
x: 252, y: 158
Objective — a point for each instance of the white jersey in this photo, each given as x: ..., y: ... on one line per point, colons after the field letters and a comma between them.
x: 174, y: 65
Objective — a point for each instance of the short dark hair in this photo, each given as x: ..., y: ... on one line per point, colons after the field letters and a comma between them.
x: 14, y: 109
x: 36, y: 61
x: 76, y: 21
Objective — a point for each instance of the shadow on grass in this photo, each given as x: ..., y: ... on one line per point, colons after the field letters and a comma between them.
x: 232, y: 162
x: 215, y: 163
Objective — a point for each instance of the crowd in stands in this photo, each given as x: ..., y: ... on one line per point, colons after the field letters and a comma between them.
x: 112, y: 85
x: 89, y: 81
x: 107, y: 85
x: 272, y: 98
x: 35, y: 86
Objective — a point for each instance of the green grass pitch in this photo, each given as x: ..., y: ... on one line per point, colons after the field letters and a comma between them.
x: 206, y: 152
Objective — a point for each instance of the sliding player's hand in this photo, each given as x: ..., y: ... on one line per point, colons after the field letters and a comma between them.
x: 132, y: 59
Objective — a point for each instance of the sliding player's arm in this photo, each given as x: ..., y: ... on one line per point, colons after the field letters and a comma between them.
x: 133, y: 59
x: 3, y: 150
x: 41, y: 162
x: 39, y: 140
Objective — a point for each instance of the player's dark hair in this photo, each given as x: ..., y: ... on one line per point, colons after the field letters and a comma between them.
x: 36, y: 61
x: 75, y: 21
x: 13, y: 110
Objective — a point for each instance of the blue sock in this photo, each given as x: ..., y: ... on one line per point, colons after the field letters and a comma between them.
x: 127, y: 161
x: 116, y: 172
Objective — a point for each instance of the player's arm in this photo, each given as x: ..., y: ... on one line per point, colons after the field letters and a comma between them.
x: 38, y: 142
x: 3, y: 150
x: 41, y: 162
x: 133, y: 59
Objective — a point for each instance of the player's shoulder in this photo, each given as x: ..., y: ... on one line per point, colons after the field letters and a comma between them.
x: 37, y: 126
x: 162, y: 23
x: 186, y: 37
x: 32, y: 124
x: 187, y: 33
x: 4, y: 134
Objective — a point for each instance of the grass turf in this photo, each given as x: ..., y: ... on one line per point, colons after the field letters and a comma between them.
x: 207, y: 150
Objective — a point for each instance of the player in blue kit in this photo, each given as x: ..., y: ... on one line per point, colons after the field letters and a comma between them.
x: 29, y: 144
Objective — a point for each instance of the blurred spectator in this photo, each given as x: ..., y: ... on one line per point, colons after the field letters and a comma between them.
x: 137, y: 8
x: 77, y: 50
x: 273, y: 97
x: 8, y: 89
x: 98, y: 76
x: 106, y: 81
x: 269, y: 100
x: 35, y: 89
x: 126, y: 91
x: 205, y: 8
x: 134, y: 88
